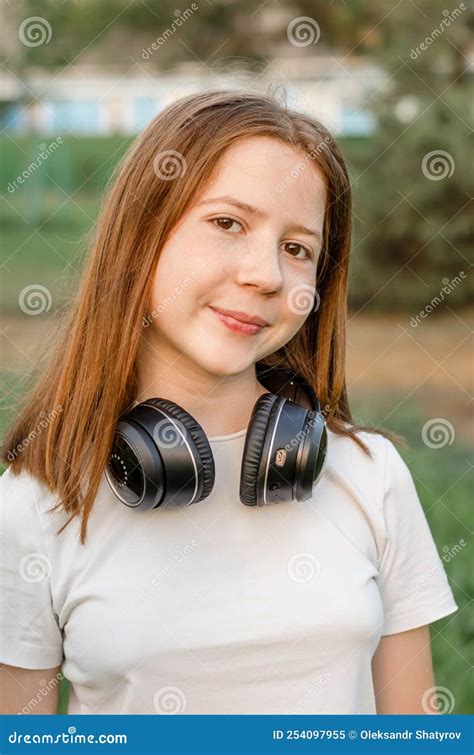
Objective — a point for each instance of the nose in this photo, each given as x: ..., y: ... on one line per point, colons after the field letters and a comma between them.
x: 259, y: 265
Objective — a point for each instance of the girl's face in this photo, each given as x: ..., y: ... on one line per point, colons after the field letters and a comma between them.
x: 259, y: 259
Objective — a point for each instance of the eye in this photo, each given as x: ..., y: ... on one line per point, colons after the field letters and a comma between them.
x: 301, y: 248
x: 225, y: 220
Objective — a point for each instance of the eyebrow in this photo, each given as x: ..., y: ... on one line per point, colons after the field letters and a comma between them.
x: 258, y: 213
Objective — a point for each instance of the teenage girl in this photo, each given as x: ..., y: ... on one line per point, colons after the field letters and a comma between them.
x: 195, y: 524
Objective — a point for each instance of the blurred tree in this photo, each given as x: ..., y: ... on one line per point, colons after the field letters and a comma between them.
x: 117, y: 31
x: 413, y: 218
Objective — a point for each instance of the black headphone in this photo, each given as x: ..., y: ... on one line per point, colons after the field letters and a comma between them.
x: 161, y: 455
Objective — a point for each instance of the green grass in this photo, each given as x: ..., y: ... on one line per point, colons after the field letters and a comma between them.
x: 63, y: 696
x: 47, y: 251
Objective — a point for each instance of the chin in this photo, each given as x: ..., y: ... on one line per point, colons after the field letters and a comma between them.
x: 222, y: 367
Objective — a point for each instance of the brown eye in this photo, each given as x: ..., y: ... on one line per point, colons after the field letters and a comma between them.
x: 298, y: 248
x: 227, y: 223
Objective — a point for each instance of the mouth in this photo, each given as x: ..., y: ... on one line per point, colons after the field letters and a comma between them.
x: 238, y: 326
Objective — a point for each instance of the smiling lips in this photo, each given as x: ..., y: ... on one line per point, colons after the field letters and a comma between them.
x: 240, y: 322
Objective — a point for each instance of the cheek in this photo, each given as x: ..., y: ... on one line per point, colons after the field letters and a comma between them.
x: 300, y: 298
x: 293, y: 324
x: 190, y: 262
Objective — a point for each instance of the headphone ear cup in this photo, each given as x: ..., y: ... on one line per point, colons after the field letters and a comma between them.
x: 253, y: 448
x: 199, y: 438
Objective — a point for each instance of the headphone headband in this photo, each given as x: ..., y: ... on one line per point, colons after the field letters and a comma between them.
x: 287, y: 383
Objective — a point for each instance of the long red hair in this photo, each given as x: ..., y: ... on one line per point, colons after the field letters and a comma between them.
x: 91, y: 375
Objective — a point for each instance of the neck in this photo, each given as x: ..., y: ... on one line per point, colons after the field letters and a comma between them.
x: 221, y: 405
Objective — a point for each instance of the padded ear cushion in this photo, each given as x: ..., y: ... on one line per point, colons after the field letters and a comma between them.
x: 253, y: 447
x: 198, y: 436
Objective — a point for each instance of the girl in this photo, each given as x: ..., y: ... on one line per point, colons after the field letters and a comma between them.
x: 229, y: 209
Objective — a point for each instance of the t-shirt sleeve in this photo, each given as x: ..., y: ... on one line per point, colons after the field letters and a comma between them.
x: 412, y: 580
x: 30, y: 636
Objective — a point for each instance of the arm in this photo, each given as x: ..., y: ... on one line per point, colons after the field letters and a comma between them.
x: 402, y: 671
x: 20, y: 690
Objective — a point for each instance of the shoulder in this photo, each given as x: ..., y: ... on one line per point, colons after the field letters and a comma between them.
x: 384, y: 481
x: 372, y: 480
x: 17, y: 485
x: 24, y: 499
x: 345, y: 456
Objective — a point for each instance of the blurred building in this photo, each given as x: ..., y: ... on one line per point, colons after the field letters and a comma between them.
x: 100, y: 100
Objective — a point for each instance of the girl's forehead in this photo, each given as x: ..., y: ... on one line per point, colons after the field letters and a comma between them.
x: 265, y: 171
x: 260, y: 150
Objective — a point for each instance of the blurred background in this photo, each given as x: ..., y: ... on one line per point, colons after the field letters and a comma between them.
x: 392, y: 81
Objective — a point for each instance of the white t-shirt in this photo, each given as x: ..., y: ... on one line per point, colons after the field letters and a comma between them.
x: 222, y: 608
